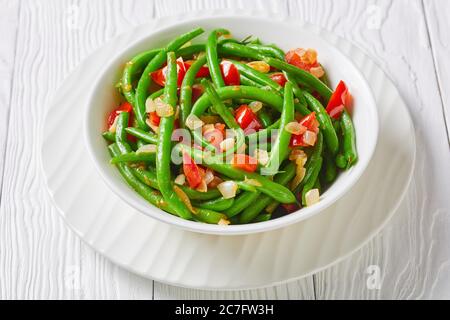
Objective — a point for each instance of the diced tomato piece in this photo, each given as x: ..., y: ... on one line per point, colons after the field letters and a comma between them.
x: 310, y: 122
x: 297, y: 141
x: 278, y: 78
x: 159, y: 76
x: 245, y: 162
x: 191, y: 171
x: 154, y: 118
x: 124, y: 107
x: 230, y: 73
x: 340, y: 100
x: 247, y: 119
x: 202, y: 72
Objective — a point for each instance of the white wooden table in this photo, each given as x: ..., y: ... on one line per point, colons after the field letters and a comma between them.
x: 41, y: 41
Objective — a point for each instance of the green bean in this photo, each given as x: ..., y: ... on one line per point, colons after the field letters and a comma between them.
x: 197, y: 195
x: 238, y: 92
x: 134, y: 157
x: 212, y: 57
x: 264, y: 200
x: 149, y: 178
x: 157, y: 94
x: 131, y: 67
x: 348, y: 130
x: 153, y: 65
x: 262, y: 217
x: 326, y: 125
x: 341, y: 162
x: 235, y: 49
x: 269, y: 50
x: 109, y: 136
x: 189, y: 51
x: 275, y: 190
x: 141, y: 134
x: 209, y: 216
x: 297, y: 91
x: 164, y: 145
x: 248, y: 82
x: 152, y: 196
x: 242, y: 201
x: 281, y: 146
x: 265, y: 118
x: 330, y: 170
x: 313, y: 158
x: 257, y: 76
x: 121, y: 135
x: 186, y: 89
x: 309, y: 184
x: 219, y: 204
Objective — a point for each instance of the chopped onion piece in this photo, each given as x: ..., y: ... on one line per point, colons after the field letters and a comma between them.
x: 147, y: 148
x: 193, y: 122
x: 223, y: 222
x: 150, y: 105
x: 262, y: 156
x: 295, y: 128
x: 296, y: 153
x: 309, y: 56
x: 208, y: 127
x: 228, y: 189
x: 318, y: 72
x: 227, y: 144
x: 300, y: 174
x: 312, y: 197
x: 209, y: 176
x: 183, y: 197
x: 180, y: 179
x: 163, y: 109
x: 310, y: 138
x: 255, y: 106
x: 202, y: 187
x: 260, y: 66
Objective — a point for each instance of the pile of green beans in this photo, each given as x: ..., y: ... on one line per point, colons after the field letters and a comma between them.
x: 142, y: 150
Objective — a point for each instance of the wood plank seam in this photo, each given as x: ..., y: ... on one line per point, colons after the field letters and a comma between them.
x: 436, y: 73
x: 8, y: 112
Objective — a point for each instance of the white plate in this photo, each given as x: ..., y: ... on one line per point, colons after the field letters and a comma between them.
x: 167, y: 254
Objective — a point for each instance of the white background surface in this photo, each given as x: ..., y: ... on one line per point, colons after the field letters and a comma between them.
x: 41, y: 41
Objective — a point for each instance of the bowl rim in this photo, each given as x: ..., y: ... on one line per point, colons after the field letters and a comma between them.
x: 250, y: 228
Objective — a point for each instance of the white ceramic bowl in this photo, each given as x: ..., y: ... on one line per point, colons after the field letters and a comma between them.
x: 104, y: 97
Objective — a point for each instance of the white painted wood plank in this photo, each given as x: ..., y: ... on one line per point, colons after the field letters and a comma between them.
x: 9, y: 20
x: 412, y: 251
x: 40, y: 257
x: 437, y: 14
